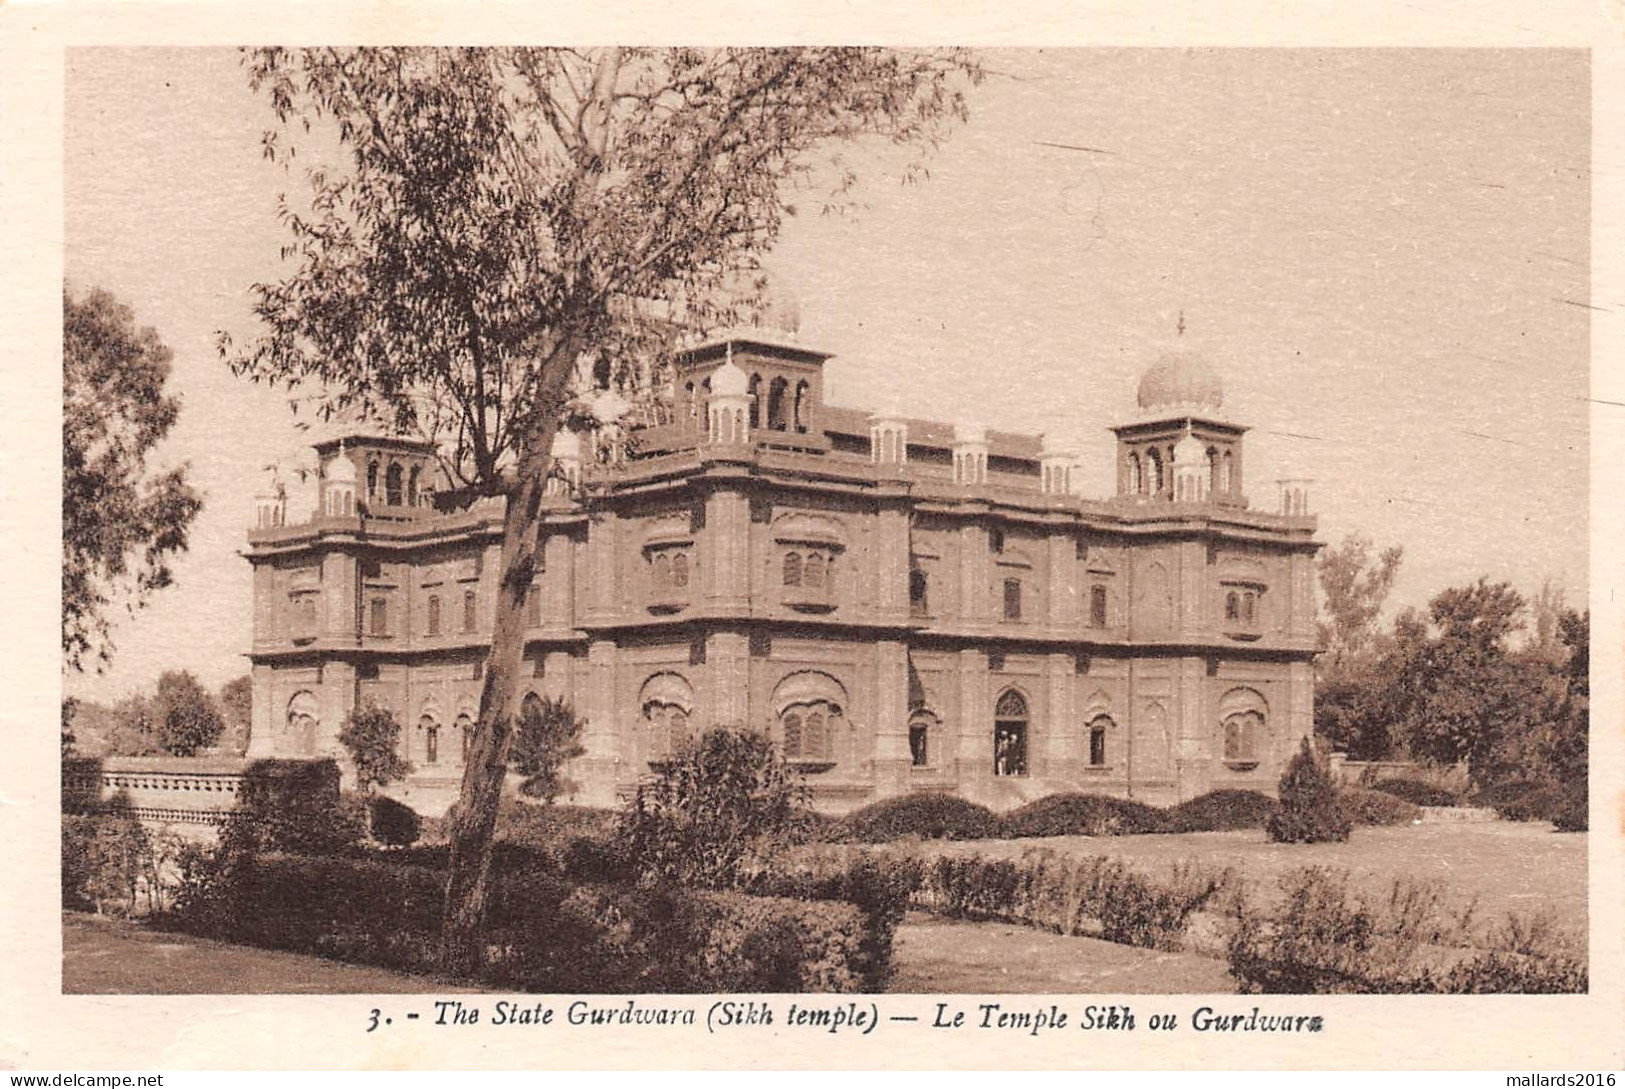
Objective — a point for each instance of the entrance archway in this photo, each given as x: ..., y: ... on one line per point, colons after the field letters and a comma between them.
x: 1010, y: 735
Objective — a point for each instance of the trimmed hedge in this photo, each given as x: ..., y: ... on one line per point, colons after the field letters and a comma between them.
x: 1222, y: 811
x: 551, y: 826
x: 1375, y: 807
x: 1417, y: 792
x: 929, y: 816
x: 544, y: 933
x: 1083, y: 815
x: 394, y: 824
x: 1524, y: 801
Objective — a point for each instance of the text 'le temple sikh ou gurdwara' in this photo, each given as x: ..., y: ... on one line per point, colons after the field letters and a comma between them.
x: 901, y: 604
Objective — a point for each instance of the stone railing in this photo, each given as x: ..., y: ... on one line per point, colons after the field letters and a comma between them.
x: 162, y: 789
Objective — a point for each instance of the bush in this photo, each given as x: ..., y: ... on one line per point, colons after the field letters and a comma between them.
x: 1222, y: 811
x: 1417, y: 792
x: 1322, y: 940
x: 1310, y: 812
x: 1519, y: 800
x: 394, y: 824
x: 104, y: 857
x: 1377, y: 807
x: 546, y: 737
x: 718, y: 809
x: 1082, y: 815
x: 372, y: 737
x: 880, y: 888
x: 543, y: 933
x: 929, y: 816
x: 294, y: 806
x: 549, y: 827
x: 1572, y: 812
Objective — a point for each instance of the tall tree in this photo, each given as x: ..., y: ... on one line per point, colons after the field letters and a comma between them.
x: 122, y: 524
x: 236, y: 700
x: 496, y: 222
x: 1354, y: 583
x: 188, y: 718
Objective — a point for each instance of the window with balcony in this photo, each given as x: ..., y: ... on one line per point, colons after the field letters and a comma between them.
x: 670, y: 571
x: 807, y: 731
x: 1243, y: 609
x: 808, y: 574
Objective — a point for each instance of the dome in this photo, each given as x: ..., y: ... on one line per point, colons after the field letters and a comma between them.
x: 341, y: 470
x: 729, y: 381
x: 1189, y: 450
x: 1180, y: 379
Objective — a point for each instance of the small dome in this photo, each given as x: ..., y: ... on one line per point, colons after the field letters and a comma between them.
x: 1189, y: 450
x: 566, y: 444
x: 729, y: 381
x: 341, y: 470
x: 1180, y: 379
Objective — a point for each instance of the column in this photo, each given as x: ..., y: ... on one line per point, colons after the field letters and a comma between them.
x: 727, y: 658
x: 1060, y: 753
x: 594, y: 690
x: 1193, y: 750
x: 890, y: 601
x: 891, y: 752
x: 724, y: 552
x: 974, y: 753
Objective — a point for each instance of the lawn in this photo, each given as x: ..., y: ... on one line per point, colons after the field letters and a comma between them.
x: 1527, y: 868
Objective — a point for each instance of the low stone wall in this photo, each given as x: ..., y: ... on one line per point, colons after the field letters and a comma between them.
x: 198, y: 791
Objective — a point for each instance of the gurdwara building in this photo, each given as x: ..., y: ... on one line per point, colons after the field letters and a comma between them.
x: 901, y: 604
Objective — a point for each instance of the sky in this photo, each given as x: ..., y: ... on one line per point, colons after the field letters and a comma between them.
x: 1384, y: 254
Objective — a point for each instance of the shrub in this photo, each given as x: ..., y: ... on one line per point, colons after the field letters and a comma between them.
x: 546, y: 737
x: 542, y: 932
x: 879, y: 887
x: 1522, y: 801
x: 717, y: 808
x: 1309, y: 811
x: 104, y: 858
x: 1222, y: 811
x: 1082, y: 815
x: 1322, y: 940
x: 394, y: 824
x: 294, y: 806
x: 929, y: 816
x: 372, y: 737
x: 1417, y: 792
x: 551, y: 826
x: 1375, y: 807
x: 1572, y: 812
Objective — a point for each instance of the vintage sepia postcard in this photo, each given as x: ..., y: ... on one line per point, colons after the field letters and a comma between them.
x: 915, y: 542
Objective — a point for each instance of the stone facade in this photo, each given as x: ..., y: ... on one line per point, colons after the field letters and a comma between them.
x: 902, y: 604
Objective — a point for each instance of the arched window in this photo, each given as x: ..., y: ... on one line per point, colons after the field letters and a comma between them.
x: 392, y: 485
x: 1232, y: 606
x: 1249, y: 604
x: 470, y: 610
x: 1136, y: 478
x: 1153, y: 472
x: 1010, y: 735
x: 380, y: 617
x: 1213, y: 470
x: 1012, y: 599
x: 434, y: 614
x: 919, y: 589
x: 792, y: 569
x: 777, y: 394
x: 755, y: 391
x: 1226, y: 480
x: 919, y: 739
x: 812, y: 573
x: 662, y: 570
x: 412, y: 486
x: 807, y: 730
x: 465, y: 734
x: 301, y: 725
x: 1097, y: 606
x: 1098, y: 729
x: 679, y: 570
x: 803, y: 397
x: 693, y: 404
x: 1241, y: 736
x: 790, y: 727
x: 372, y: 480
x: 430, y: 729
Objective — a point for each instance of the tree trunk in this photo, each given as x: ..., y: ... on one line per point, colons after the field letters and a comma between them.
x: 473, y: 818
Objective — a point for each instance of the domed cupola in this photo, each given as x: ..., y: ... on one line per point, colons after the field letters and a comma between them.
x: 1180, y: 381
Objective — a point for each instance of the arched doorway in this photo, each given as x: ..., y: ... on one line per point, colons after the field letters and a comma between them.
x: 301, y: 725
x: 1010, y: 735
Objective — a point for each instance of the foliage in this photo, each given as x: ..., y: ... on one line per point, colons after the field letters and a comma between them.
x: 372, y: 737
x: 189, y: 719
x: 394, y: 824
x: 718, y: 805
x: 70, y: 709
x: 1310, y: 811
x: 879, y: 888
x: 236, y: 702
x: 135, y: 723
x: 546, y: 738
x: 1377, y: 807
x: 499, y: 225
x: 293, y: 806
x: 547, y: 934
x: 1572, y: 812
x: 1417, y: 792
x: 1081, y: 815
x: 1222, y: 811
x: 111, y: 862
x: 1322, y: 939
x: 549, y: 826
x: 122, y: 525
x: 1354, y: 583
x: 1087, y: 895
x: 929, y: 815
